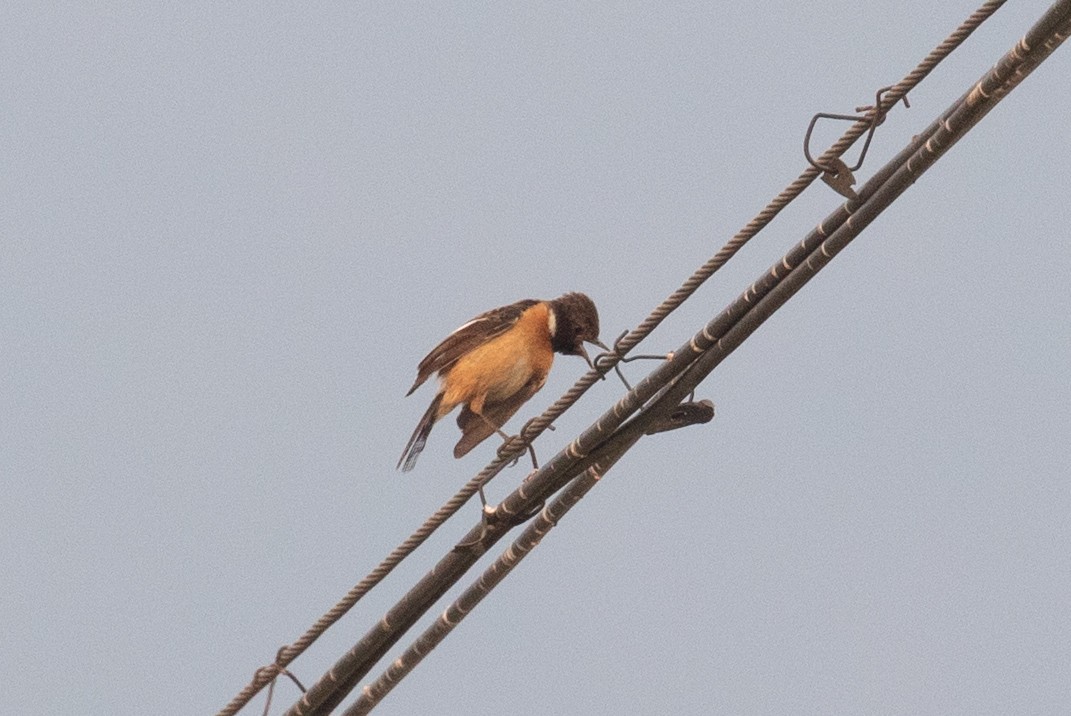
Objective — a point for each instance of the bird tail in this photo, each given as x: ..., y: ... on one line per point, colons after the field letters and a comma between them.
x: 420, y: 436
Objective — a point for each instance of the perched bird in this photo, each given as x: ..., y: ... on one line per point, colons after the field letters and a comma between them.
x: 494, y: 363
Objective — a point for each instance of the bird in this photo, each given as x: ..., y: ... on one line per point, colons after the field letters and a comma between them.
x: 493, y: 364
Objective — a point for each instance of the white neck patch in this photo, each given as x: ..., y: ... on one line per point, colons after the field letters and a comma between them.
x: 552, y: 323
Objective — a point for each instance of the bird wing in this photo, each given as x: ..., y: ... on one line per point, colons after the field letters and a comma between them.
x: 471, y: 335
x: 475, y: 428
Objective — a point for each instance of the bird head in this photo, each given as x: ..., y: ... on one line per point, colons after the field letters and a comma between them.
x: 574, y: 322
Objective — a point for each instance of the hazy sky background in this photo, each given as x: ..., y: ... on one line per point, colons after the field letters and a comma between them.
x: 231, y: 231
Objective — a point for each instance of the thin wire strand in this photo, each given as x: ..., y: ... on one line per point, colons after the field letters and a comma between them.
x: 537, y: 486
x: 520, y: 548
x: 881, y: 192
x: 322, y: 697
x: 538, y: 425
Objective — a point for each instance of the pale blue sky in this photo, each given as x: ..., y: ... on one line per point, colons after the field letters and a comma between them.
x: 232, y: 231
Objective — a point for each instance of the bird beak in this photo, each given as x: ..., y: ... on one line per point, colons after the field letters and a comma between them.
x: 584, y: 352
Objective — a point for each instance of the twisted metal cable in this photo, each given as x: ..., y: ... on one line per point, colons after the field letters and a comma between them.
x: 521, y: 547
x: 535, y: 427
x: 726, y: 332
x: 537, y: 486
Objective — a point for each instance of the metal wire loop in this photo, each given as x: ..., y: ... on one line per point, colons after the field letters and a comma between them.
x: 874, y: 114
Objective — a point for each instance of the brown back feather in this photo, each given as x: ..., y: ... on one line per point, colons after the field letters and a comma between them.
x: 471, y: 335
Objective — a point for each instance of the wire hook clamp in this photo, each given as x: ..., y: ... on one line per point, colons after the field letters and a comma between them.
x: 837, y: 174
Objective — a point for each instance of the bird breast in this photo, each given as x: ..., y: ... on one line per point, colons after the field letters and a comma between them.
x: 506, y: 364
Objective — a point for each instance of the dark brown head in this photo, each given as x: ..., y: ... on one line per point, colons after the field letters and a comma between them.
x: 574, y: 321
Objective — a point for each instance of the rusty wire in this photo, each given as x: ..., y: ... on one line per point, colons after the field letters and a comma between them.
x: 730, y: 328
x: 535, y: 427
x: 528, y: 540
